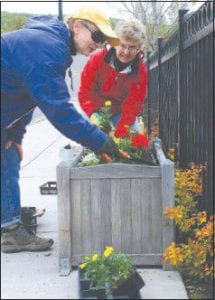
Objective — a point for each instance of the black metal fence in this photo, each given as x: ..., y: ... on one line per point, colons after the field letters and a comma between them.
x: 181, y: 92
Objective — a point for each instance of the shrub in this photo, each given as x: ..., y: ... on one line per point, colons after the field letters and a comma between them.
x: 195, y: 256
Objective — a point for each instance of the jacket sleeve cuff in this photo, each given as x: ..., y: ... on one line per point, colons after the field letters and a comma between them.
x: 15, y: 135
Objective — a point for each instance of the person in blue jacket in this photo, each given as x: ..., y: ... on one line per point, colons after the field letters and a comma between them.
x: 34, y: 61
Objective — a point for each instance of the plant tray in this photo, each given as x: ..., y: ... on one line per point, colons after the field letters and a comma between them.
x: 128, y: 291
x: 48, y: 188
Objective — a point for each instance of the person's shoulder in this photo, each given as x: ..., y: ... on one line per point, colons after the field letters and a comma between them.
x: 142, y: 66
x: 98, y: 54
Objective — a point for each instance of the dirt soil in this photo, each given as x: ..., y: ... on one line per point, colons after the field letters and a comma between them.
x: 199, y: 289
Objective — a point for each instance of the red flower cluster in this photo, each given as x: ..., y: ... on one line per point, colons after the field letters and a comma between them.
x: 139, y: 141
x: 122, y: 131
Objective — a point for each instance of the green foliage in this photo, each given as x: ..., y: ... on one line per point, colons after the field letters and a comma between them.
x: 13, y: 21
x: 163, y: 29
x: 105, y: 123
x: 114, y: 21
x: 89, y: 159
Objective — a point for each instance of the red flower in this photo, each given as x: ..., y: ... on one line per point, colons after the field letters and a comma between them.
x: 122, y: 131
x: 139, y: 141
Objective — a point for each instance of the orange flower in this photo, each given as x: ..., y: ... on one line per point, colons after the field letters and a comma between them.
x: 174, y: 213
x: 173, y: 254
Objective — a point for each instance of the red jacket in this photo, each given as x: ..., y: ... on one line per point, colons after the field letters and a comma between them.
x: 101, y: 82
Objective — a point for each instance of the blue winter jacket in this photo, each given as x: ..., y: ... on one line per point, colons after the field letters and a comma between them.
x: 34, y: 63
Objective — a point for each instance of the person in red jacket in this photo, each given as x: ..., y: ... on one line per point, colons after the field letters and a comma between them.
x: 118, y: 75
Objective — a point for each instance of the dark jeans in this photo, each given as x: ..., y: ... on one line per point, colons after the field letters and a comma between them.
x: 10, y: 191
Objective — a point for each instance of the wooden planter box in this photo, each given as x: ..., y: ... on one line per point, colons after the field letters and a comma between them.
x: 119, y: 205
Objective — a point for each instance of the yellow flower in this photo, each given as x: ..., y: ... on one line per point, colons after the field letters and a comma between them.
x: 82, y: 266
x: 116, y: 140
x: 108, y: 103
x: 108, y: 251
x: 95, y: 257
x: 202, y: 217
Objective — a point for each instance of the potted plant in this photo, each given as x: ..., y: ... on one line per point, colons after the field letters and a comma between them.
x: 109, y: 275
x: 134, y: 148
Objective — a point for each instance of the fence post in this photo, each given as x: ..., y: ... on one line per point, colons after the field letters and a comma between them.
x: 168, y: 199
x: 149, y: 99
x: 160, y: 40
x: 181, y: 100
x: 60, y: 10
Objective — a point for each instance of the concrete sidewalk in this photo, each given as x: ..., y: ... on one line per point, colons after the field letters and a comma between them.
x: 29, y: 275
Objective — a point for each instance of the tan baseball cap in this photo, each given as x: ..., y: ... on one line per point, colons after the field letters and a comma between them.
x: 99, y: 18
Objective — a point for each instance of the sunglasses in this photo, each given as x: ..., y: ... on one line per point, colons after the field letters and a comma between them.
x: 96, y: 35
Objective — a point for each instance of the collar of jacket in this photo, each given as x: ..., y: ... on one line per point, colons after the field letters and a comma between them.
x: 130, y: 69
x: 72, y: 44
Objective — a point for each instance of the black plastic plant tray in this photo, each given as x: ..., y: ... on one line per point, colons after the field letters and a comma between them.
x: 49, y: 188
x: 87, y: 292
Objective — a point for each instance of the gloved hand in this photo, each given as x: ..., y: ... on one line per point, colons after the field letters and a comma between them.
x: 110, y: 148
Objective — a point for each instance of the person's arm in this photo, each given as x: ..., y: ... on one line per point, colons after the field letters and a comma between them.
x: 51, y: 95
x: 133, y: 103
x: 42, y: 72
x: 88, y: 100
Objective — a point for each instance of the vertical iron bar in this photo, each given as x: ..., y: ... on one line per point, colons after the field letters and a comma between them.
x: 181, y: 106
x: 160, y: 40
x: 60, y: 10
x: 149, y: 96
x: 211, y: 109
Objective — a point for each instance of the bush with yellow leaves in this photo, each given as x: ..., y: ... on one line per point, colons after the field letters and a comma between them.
x: 195, y: 255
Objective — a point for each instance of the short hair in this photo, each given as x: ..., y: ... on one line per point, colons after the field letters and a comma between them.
x: 132, y: 30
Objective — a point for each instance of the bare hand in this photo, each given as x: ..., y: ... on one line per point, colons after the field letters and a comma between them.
x: 18, y: 146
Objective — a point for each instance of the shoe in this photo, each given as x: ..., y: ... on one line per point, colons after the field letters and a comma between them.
x: 20, y: 239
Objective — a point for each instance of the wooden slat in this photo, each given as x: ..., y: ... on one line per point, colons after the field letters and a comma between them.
x: 106, y: 219
x: 136, y: 215
x: 115, y: 214
x: 95, y: 217
x: 76, y: 216
x: 151, y: 259
x: 156, y: 217
x: 115, y: 170
x: 86, y: 229
x: 146, y: 217
x: 168, y: 232
x: 64, y: 220
x: 125, y: 214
